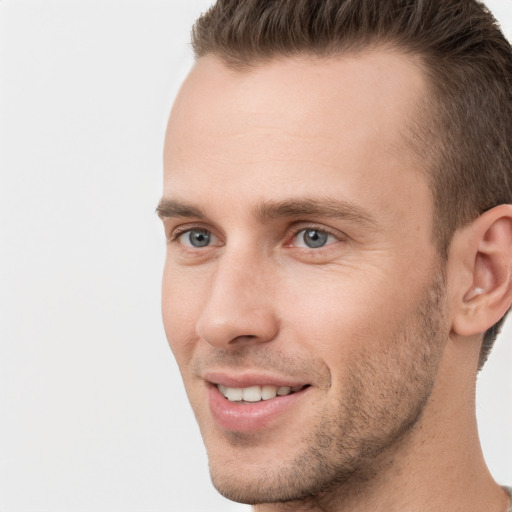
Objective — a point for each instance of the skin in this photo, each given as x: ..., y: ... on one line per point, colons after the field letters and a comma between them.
x: 387, y: 422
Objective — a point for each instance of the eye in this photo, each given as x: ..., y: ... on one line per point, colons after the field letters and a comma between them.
x: 196, y: 238
x: 313, y: 238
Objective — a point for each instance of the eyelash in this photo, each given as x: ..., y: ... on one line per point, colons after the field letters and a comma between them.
x: 178, y: 232
x: 319, y: 229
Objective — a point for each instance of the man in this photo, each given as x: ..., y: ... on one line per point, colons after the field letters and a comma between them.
x: 337, y: 189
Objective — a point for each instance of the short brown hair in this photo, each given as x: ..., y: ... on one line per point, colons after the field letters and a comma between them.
x: 465, y: 127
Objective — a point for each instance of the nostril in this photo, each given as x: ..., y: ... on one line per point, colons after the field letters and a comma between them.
x: 242, y: 337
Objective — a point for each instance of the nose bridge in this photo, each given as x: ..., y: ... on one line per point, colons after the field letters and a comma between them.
x: 238, y: 306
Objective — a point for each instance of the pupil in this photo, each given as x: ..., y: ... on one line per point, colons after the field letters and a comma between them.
x: 314, y: 238
x: 199, y: 238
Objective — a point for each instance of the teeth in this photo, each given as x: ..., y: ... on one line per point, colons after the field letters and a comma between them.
x: 252, y: 394
x: 234, y: 394
x: 284, y: 390
x: 256, y: 393
x: 268, y: 392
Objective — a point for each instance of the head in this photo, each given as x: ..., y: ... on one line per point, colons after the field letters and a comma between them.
x: 461, y: 128
x: 318, y: 153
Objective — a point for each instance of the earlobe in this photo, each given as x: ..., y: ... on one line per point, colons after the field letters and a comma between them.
x: 485, y: 293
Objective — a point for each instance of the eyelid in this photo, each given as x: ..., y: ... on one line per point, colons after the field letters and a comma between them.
x: 298, y: 227
x: 296, y: 230
x: 182, y: 229
x: 177, y: 231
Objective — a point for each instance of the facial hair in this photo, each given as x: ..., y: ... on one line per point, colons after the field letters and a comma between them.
x: 384, y: 396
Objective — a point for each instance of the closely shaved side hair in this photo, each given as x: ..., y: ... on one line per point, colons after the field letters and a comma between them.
x: 462, y: 131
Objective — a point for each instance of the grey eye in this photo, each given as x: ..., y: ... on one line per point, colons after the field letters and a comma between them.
x: 197, y: 238
x: 313, y: 238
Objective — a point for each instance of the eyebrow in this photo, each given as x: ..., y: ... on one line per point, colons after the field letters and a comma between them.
x: 168, y: 208
x: 267, y: 210
x: 321, y: 207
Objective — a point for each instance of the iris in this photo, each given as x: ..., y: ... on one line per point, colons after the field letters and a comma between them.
x: 199, y: 238
x: 314, y: 238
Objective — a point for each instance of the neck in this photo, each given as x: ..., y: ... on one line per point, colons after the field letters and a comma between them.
x: 437, y: 467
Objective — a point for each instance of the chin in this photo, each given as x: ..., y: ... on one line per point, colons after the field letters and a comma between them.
x: 248, y: 472
x: 255, y: 490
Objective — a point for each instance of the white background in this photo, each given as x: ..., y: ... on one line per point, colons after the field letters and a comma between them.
x: 93, y: 416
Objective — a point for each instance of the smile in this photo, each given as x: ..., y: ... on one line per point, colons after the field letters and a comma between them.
x: 248, y: 407
x: 256, y: 393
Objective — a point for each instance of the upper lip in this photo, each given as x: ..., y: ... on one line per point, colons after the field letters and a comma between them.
x: 247, y: 379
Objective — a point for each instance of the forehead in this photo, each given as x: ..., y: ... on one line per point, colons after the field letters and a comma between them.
x: 296, y: 126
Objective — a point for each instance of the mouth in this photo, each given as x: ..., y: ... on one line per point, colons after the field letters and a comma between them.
x: 252, y: 394
x: 248, y: 404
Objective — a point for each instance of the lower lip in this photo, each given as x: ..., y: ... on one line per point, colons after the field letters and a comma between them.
x: 249, y: 417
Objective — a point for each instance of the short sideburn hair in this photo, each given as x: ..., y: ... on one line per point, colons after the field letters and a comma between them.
x: 463, y: 129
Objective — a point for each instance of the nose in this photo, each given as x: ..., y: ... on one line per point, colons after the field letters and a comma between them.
x: 239, y: 308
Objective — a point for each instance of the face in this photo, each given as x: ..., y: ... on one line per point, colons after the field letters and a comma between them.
x: 301, y: 291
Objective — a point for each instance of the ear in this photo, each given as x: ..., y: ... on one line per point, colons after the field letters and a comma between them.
x: 481, y: 255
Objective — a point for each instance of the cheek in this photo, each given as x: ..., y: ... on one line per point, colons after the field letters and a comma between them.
x: 339, y: 304
x: 341, y: 320
x: 181, y: 304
